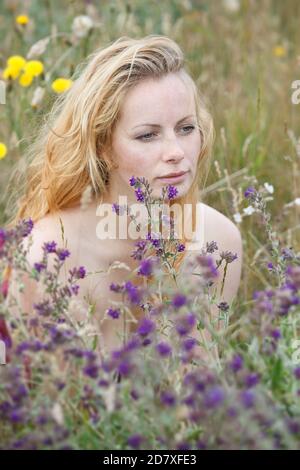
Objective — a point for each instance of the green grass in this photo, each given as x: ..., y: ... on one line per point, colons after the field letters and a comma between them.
x: 230, y: 55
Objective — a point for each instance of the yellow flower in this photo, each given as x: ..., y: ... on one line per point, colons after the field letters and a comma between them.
x: 34, y: 68
x: 61, y: 84
x: 279, y: 51
x: 22, y: 19
x: 26, y: 79
x: 3, y: 150
x: 14, y: 63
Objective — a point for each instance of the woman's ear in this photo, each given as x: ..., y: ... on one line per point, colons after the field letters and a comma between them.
x: 109, y: 160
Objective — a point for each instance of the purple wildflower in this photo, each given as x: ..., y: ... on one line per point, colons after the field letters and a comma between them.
x: 293, y: 426
x: 146, y: 326
x: 297, y: 373
x: 250, y: 192
x: 247, y: 398
x: 134, y: 294
x: 214, y: 397
x: 139, y: 195
x: 132, y: 344
x: 223, y: 306
x: 91, y: 370
x: 183, y: 445
x: 115, y: 287
x: 81, y: 272
x: 167, y: 398
x: 270, y: 266
x: 114, y: 313
x: 236, y: 363
x: 211, y: 247
x: 228, y: 256
x: 125, y: 367
x: 134, y: 394
x: 16, y: 416
x: 139, y: 252
x: 62, y: 254
x: 188, y: 344
x: 119, y: 210
x: 287, y: 254
x: 43, y: 308
x: 163, y: 348
x: 251, y: 380
x: 185, y: 323
x: 276, y: 334
x: 75, y: 289
x: 27, y: 226
x: 39, y: 267
x: 2, y: 237
x: 132, y: 181
x: 78, y: 273
x: 135, y: 441
x: 50, y: 247
x: 180, y: 247
x: 208, y: 264
x: 179, y: 300
x: 116, y: 208
x: 145, y: 268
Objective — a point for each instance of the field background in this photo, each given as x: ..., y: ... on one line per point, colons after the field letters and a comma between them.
x: 244, y: 56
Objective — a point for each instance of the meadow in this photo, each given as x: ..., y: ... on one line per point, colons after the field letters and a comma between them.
x: 245, y: 57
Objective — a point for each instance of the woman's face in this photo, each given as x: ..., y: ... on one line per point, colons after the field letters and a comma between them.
x: 156, y: 135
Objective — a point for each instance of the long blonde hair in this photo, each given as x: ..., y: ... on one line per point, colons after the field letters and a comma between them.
x: 72, y: 148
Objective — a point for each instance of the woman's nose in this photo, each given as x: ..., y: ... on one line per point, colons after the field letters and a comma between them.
x: 173, y: 150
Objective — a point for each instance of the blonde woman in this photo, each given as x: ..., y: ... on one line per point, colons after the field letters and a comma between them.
x: 133, y: 110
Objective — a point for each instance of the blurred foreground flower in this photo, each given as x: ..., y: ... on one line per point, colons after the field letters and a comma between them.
x: 31, y: 69
x: 38, y: 96
x: 22, y: 19
x: 61, y: 84
x: 3, y: 150
x: 34, y: 67
x: 279, y: 51
x: 14, y: 65
x: 82, y: 25
x: 26, y: 71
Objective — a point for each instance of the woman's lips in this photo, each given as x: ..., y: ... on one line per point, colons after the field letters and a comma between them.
x: 173, y: 179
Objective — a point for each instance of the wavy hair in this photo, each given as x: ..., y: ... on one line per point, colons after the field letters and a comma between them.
x: 72, y: 149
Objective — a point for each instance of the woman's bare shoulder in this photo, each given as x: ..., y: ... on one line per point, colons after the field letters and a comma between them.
x: 227, y: 235
x: 219, y: 226
x: 51, y: 227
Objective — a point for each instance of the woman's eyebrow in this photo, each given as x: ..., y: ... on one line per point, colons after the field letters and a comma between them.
x: 157, y: 125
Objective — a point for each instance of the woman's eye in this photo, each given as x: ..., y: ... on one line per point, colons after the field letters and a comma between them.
x: 145, y: 136
x: 148, y: 136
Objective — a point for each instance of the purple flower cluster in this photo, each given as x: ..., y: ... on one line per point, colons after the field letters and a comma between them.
x: 119, y: 210
x: 114, y: 312
x: 208, y: 267
x: 164, y: 349
x: 251, y: 194
x: 185, y: 323
x: 228, y: 256
x: 140, y: 195
x: 146, y: 268
x: 145, y: 326
x: 179, y: 300
x: 139, y: 252
x: 172, y: 192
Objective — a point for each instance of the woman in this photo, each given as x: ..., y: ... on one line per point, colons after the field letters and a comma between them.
x: 133, y: 111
